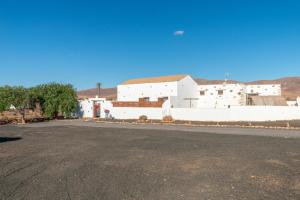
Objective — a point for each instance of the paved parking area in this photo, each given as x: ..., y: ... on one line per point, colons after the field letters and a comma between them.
x: 82, y: 160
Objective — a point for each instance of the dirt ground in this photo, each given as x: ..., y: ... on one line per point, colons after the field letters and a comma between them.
x: 81, y: 162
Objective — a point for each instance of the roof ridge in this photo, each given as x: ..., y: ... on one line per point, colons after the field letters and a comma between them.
x: 156, y: 79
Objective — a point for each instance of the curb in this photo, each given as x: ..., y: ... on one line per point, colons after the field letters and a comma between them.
x: 195, y: 125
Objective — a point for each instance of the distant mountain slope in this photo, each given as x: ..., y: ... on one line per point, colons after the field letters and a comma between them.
x: 290, y: 87
x: 109, y: 93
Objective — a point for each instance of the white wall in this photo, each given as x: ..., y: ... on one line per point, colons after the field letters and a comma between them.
x: 291, y: 103
x: 133, y: 92
x: 187, y: 88
x: 298, y: 101
x: 85, y: 108
x: 264, y: 90
x: 233, y: 95
x: 136, y: 112
x: 242, y: 113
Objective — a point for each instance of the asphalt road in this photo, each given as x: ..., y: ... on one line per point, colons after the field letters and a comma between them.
x: 79, y: 160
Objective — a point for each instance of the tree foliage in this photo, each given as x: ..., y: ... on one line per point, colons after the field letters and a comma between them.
x: 16, y: 96
x: 54, y: 98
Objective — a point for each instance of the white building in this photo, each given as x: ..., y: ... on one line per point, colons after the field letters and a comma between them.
x: 182, y: 98
x: 264, y: 89
x: 221, y: 95
x: 228, y: 95
x: 181, y: 90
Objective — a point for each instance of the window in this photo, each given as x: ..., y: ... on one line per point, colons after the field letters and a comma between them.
x: 147, y: 99
x: 220, y: 92
x: 164, y: 98
x: 202, y: 93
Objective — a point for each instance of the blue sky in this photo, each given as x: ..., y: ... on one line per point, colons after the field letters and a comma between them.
x: 83, y: 42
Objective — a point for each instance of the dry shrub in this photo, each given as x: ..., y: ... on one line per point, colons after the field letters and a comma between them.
x: 143, y: 118
x: 168, y: 118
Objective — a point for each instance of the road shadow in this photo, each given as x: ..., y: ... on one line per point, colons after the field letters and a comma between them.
x: 9, y: 139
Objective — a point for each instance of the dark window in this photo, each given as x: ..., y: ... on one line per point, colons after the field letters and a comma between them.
x: 202, y: 93
x: 220, y: 92
x: 165, y: 98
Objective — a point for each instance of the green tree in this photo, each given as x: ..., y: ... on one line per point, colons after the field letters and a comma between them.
x: 56, y: 99
x: 16, y: 96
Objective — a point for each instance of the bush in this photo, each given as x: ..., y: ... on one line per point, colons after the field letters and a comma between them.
x: 168, y: 118
x: 143, y: 118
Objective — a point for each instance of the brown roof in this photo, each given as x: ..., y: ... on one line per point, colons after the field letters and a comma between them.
x: 158, y: 79
x: 201, y: 81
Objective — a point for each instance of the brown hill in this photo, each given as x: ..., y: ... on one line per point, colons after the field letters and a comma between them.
x: 109, y: 93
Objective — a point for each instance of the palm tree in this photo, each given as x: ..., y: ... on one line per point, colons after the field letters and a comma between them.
x: 98, y: 85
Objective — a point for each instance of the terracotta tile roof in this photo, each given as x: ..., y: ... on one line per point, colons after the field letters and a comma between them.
x: 158, y: 79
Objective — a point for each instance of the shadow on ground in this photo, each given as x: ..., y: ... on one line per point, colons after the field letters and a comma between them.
x: 9, y: 139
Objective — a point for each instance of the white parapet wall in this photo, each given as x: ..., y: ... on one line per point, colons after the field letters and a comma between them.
x: 240, y: 113
x: 136, y: 112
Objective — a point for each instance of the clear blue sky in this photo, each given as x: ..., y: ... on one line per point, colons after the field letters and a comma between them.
x: 82, y: 42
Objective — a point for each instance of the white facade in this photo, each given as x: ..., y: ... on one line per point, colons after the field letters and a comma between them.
x: 133, y: 92
x: 178, y: 91
x: 228, y: 95
x: 221, y: 95
x: 298, y: 101
x: 264, y: 89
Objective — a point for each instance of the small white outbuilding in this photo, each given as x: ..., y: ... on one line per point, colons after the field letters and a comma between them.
x: 94, y: 108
